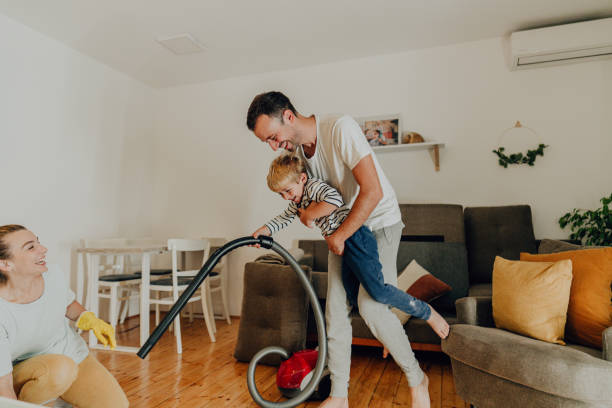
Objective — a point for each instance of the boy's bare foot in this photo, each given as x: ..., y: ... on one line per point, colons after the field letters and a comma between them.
x: 334, y: 402
x: 420, y: 394
x: 438, y: 324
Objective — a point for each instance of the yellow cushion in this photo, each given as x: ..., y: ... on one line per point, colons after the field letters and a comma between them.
x: 590, y: 311
x: 531, y: 298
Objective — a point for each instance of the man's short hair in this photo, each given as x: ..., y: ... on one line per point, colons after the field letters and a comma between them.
x: 272, y: 103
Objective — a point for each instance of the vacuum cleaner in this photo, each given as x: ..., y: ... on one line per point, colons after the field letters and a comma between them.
x: 304, y: 391
x: 294, y: 375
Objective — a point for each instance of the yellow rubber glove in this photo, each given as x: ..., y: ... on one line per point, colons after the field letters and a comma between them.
x: 102, y: 330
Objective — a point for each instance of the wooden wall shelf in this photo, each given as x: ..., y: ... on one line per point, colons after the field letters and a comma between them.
x: 433, y: 147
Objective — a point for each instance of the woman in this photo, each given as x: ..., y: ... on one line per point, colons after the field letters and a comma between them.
x: 41, y: 356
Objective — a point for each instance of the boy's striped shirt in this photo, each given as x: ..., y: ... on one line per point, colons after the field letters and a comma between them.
x: 317, y: 191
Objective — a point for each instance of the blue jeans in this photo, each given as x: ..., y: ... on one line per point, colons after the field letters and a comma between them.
x: 360, y: 265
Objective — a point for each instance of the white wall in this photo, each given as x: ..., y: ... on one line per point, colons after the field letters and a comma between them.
x: 209, y: 169
x: 88, y: 151
x: 70, y: 130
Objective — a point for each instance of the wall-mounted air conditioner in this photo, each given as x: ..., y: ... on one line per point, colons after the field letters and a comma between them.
x: 562, y: 44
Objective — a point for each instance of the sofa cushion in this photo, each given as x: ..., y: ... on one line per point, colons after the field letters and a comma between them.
x: 590, y: 310
x: 419, y: 283
x: 419, y: 331
x: 481, y: 289
x: 531, y: 298
x: 446, y: 261
x: 551, y: 246
x: 489, y: 231
x: 550, y: 368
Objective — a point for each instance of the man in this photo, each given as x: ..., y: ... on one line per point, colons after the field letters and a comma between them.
x: 336, y: 151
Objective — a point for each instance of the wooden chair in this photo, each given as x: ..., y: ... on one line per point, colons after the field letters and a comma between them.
x: 218, y: 278
x: 179, y: 281
x: 133, y: 264
x: 113, y: 282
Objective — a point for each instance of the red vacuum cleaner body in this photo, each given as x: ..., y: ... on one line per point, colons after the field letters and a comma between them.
x: 295, y: 373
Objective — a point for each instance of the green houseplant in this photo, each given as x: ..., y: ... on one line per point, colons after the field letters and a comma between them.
x: 591, y: 227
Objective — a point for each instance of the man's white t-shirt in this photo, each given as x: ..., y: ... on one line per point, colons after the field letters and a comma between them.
x: 39, y: 327
x: 340, y: 146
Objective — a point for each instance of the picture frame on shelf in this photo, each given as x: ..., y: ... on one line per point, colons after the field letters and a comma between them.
x: 382, y: 130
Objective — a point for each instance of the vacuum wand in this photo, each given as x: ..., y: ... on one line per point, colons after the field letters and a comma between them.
x: 268, y: 243
x: 264, y: 241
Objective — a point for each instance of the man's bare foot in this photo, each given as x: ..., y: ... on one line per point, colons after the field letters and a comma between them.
x: 420, y: 394
x: 438, y: 324
x: 334, y: 402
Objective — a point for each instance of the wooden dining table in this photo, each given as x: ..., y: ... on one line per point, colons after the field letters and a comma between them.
x: 92, y: 277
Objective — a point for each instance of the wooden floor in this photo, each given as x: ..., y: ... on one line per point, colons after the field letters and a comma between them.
x: 207, y: 375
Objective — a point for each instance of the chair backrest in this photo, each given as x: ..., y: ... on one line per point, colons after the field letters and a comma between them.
x: 176, y: 245
x: 216, y: 243
x: 133, y: 261
x: 108, y: 263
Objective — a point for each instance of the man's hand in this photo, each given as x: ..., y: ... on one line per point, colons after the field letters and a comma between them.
x: 306, y: 217
x: 335, y: 243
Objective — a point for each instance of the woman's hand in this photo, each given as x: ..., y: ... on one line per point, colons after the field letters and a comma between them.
x: 6, y: 386
x: 102, y: 330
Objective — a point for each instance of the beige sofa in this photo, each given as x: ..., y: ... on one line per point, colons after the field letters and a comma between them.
x: 456, y: 245
x: 495, y: 368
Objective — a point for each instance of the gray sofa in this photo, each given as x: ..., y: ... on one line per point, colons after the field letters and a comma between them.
x: 524, y: 372
x: 457, y: 246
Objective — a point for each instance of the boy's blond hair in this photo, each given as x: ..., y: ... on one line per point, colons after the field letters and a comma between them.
x: 285, y: 169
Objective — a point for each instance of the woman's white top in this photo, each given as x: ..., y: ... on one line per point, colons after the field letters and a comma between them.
x: 40, y: 327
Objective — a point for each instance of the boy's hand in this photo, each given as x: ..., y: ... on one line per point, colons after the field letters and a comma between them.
x: 261, y: 231
x: 305, y: 217
x: 335, y: 244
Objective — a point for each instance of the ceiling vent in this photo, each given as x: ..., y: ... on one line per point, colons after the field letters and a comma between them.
x: 181, y: 44
x: 561, y: 44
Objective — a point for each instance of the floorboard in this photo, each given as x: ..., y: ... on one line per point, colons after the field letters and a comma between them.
x: 207, y: 375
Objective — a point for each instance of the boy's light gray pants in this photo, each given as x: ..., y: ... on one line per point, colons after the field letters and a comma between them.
x: 385, y: 326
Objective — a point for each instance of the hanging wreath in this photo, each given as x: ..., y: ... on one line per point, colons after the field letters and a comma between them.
x: 519, y: 158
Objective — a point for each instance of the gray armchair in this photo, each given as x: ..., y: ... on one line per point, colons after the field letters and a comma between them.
x: 496, y: 368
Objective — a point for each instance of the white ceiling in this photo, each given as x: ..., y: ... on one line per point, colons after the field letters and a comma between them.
x: 252, y: 36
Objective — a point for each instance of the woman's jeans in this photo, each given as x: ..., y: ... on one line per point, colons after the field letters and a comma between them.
x: 360, y: 265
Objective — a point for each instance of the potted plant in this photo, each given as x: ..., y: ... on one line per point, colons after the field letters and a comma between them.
x: 591, y: 227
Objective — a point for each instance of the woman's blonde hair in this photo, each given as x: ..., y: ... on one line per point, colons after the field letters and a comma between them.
x: 5, y: 252
x: 285, y: 169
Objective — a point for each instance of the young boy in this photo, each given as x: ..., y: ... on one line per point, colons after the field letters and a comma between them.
x: 316, y: 202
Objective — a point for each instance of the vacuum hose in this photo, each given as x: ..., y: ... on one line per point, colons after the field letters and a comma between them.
x: 268, y: 243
